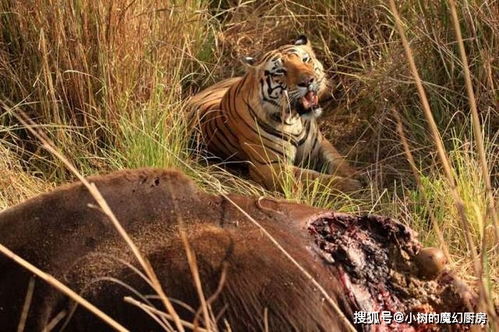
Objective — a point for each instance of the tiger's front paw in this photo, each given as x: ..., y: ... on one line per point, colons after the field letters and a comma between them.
x: 348, y: 185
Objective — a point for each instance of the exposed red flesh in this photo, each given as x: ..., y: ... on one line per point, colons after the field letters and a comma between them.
x: 374, y: 259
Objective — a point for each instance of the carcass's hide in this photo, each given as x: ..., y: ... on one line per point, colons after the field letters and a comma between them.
x: 364, y: 263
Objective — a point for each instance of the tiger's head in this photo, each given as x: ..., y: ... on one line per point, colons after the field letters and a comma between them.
x: 290, y: 78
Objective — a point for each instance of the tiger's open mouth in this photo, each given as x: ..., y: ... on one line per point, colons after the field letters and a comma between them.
x: 307, y: 103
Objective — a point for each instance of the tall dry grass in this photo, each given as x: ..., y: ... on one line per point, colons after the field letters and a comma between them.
x: 107, y: 81
x: 95, y: 66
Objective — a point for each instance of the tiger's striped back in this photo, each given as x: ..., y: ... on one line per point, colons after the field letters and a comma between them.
x: 209, y: 125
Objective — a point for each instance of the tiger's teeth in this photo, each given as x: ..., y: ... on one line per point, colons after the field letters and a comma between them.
x: 309, y: 100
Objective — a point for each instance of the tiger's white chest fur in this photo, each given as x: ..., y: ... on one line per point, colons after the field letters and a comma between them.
x: 287, y: 123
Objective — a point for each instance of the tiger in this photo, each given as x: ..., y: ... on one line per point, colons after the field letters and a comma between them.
x: 268, y: 118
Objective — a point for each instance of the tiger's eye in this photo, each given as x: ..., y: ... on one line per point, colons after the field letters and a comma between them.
x: 430, y: 262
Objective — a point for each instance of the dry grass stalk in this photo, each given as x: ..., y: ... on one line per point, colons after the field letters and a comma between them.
x: 155, y: 311
x: 415, y: 172
x: 191, y: 259
x: 477, y: 129
x: 26, y: 306
x: 54, y: 321
x: 266, y: 320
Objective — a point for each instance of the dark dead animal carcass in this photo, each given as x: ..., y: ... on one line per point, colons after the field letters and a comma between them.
x: 364, y: 263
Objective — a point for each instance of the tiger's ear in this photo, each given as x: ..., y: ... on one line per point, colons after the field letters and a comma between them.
x: 248, y: 61
x: 302, y: 40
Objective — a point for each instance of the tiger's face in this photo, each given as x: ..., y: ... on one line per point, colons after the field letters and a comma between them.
x: 291, y: 79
